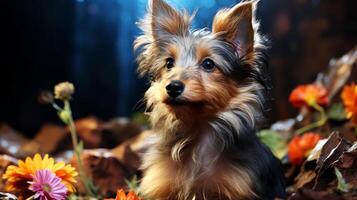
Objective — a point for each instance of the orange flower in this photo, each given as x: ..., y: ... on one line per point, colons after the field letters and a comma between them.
x: 18, y: 176
x: 300, y: 146
x: 349, y: 98
x: 122, y: 196
x: 309, y: 95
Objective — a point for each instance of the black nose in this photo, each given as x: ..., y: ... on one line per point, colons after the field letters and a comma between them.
x: 175, y: 88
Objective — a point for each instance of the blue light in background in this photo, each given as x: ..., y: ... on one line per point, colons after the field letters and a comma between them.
x: 97, y: 21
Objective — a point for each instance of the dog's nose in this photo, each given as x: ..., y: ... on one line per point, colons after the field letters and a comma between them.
x: 175, y: 88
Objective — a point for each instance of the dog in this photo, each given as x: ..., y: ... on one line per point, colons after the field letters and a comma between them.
x: 206, y: 101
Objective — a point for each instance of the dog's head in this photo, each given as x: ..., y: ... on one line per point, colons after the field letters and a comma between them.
x: 198, y: 73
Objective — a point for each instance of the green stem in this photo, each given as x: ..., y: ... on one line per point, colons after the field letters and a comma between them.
x: 31, y: 197
x: 87, y: 182
x: 320, y: 122
x: 55, y: 106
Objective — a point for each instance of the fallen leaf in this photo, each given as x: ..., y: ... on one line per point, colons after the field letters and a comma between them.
x: 341, y: 183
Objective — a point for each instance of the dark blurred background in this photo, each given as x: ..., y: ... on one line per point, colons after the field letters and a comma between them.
x: 89, y: 42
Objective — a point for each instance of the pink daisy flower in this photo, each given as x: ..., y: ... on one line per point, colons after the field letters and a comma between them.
x: 47, y: 186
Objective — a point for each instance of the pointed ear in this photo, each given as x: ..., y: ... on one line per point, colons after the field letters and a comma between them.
x: 167, y: 21
x: 236, y: 25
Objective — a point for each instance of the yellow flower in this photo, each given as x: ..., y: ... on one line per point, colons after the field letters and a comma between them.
x: 64, y: 90
x: 18, y: 176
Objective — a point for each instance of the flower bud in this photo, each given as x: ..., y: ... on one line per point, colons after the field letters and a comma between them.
x: 64, y: 91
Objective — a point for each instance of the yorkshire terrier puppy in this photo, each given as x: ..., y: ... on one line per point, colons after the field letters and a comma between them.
x: 205, y: 102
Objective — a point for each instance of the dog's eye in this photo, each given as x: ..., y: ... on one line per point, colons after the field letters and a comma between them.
x: 208, y: 65
x: 170, y: 62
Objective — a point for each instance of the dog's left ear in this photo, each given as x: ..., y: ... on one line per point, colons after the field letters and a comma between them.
x: 160, y: 25
x: 166, y: 21
x: 236, y: 25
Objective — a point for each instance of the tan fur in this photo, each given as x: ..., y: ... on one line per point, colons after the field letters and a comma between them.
x: 170, y: 180
x: 225, y: 23
x: 168, y: 19
x: 202, y: 52
x: 226, y: 20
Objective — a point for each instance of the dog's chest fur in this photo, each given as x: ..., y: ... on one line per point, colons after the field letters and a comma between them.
x: 194, y: 169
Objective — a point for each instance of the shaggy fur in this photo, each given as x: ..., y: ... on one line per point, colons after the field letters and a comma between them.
x: 206, y: 147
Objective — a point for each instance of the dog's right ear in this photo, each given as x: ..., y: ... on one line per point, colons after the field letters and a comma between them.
x: 162, y: 20
x: 238, y: 26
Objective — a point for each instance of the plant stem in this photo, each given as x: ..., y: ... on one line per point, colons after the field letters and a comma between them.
x: 78, y: 150
x: 55, y: 106
x: 320, y: 122
x: 31, y: 197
